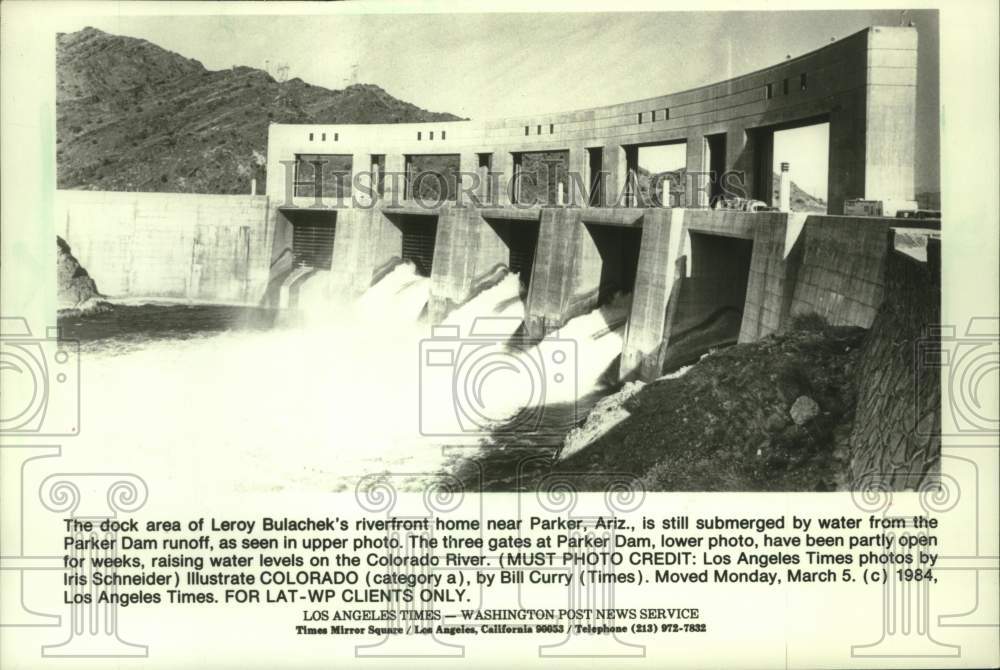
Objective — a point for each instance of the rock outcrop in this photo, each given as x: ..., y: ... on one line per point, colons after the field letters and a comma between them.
x: 133, y: 116
x: 74, y: 286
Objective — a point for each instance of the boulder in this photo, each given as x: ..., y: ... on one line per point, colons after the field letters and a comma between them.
x: 803, y: 410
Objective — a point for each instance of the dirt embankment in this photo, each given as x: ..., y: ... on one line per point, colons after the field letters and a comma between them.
x: 774, y: 415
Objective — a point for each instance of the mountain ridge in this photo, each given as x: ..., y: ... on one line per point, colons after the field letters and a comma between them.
x: 133, y: 116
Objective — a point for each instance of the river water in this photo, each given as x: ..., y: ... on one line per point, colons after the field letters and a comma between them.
x: 342, y: 389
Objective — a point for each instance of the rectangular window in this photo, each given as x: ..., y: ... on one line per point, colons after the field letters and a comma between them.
x: 639, y: 117
x: 432, y: 135
x: 310, y: 137
x: 538, y: 131
x: 666, y: 114
x: 336, y: 137
x: 768, y: 91
x: 652, y: 116
x: 802, y: 81
x: 784, y: 86
x: 323, y: 137
x: 552, y: 128
x: 526, y: 131
x: 420, y: 136
x: 444, y: 134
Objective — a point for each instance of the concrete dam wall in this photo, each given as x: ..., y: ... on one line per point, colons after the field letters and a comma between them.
x: 169, y: 245
x: 697, y: 278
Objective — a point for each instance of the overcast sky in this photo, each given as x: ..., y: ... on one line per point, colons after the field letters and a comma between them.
x: 491, y: 65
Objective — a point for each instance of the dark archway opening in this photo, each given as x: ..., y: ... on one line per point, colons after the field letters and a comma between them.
x: 418, y: 236
x: 709, y: 309
x: 521, y: 240
x: 715, y: 159
x: 618, y: 247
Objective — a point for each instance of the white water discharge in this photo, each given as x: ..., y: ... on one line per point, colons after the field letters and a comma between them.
x: 347, y: 392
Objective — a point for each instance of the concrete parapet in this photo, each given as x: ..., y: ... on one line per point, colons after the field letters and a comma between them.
x: 725, y: 223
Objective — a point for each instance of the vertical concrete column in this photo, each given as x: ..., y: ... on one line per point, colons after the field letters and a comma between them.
x: 773, y: 271
x: 890, y: 117
x: 785, y: 189
x: 644, y: 335
x: 362, y: 181
x: 470, y: 185
x: 846, y: 172
x: 697, y: 186
x: 366, y: 242
x: 616, y: 167
x: 558, y: 290
x: 503, y: 168
x: 485, y: 190
x: 395, y: 166
x: 349, y: 260
x: 739, y: 160
x: 468, y: 256
x: 579, y: 176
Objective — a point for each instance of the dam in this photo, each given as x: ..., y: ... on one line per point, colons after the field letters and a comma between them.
x: 346, y: 204
x: 683, y: 265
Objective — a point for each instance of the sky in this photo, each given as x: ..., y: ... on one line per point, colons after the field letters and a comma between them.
x: 493, y: 65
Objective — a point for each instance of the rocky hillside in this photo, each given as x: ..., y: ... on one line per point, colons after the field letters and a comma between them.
x: 133, y: 116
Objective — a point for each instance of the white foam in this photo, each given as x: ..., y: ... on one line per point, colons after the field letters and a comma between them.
x: 319, y: 404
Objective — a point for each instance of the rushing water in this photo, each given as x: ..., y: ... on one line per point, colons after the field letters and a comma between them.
x: 346, y: 389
